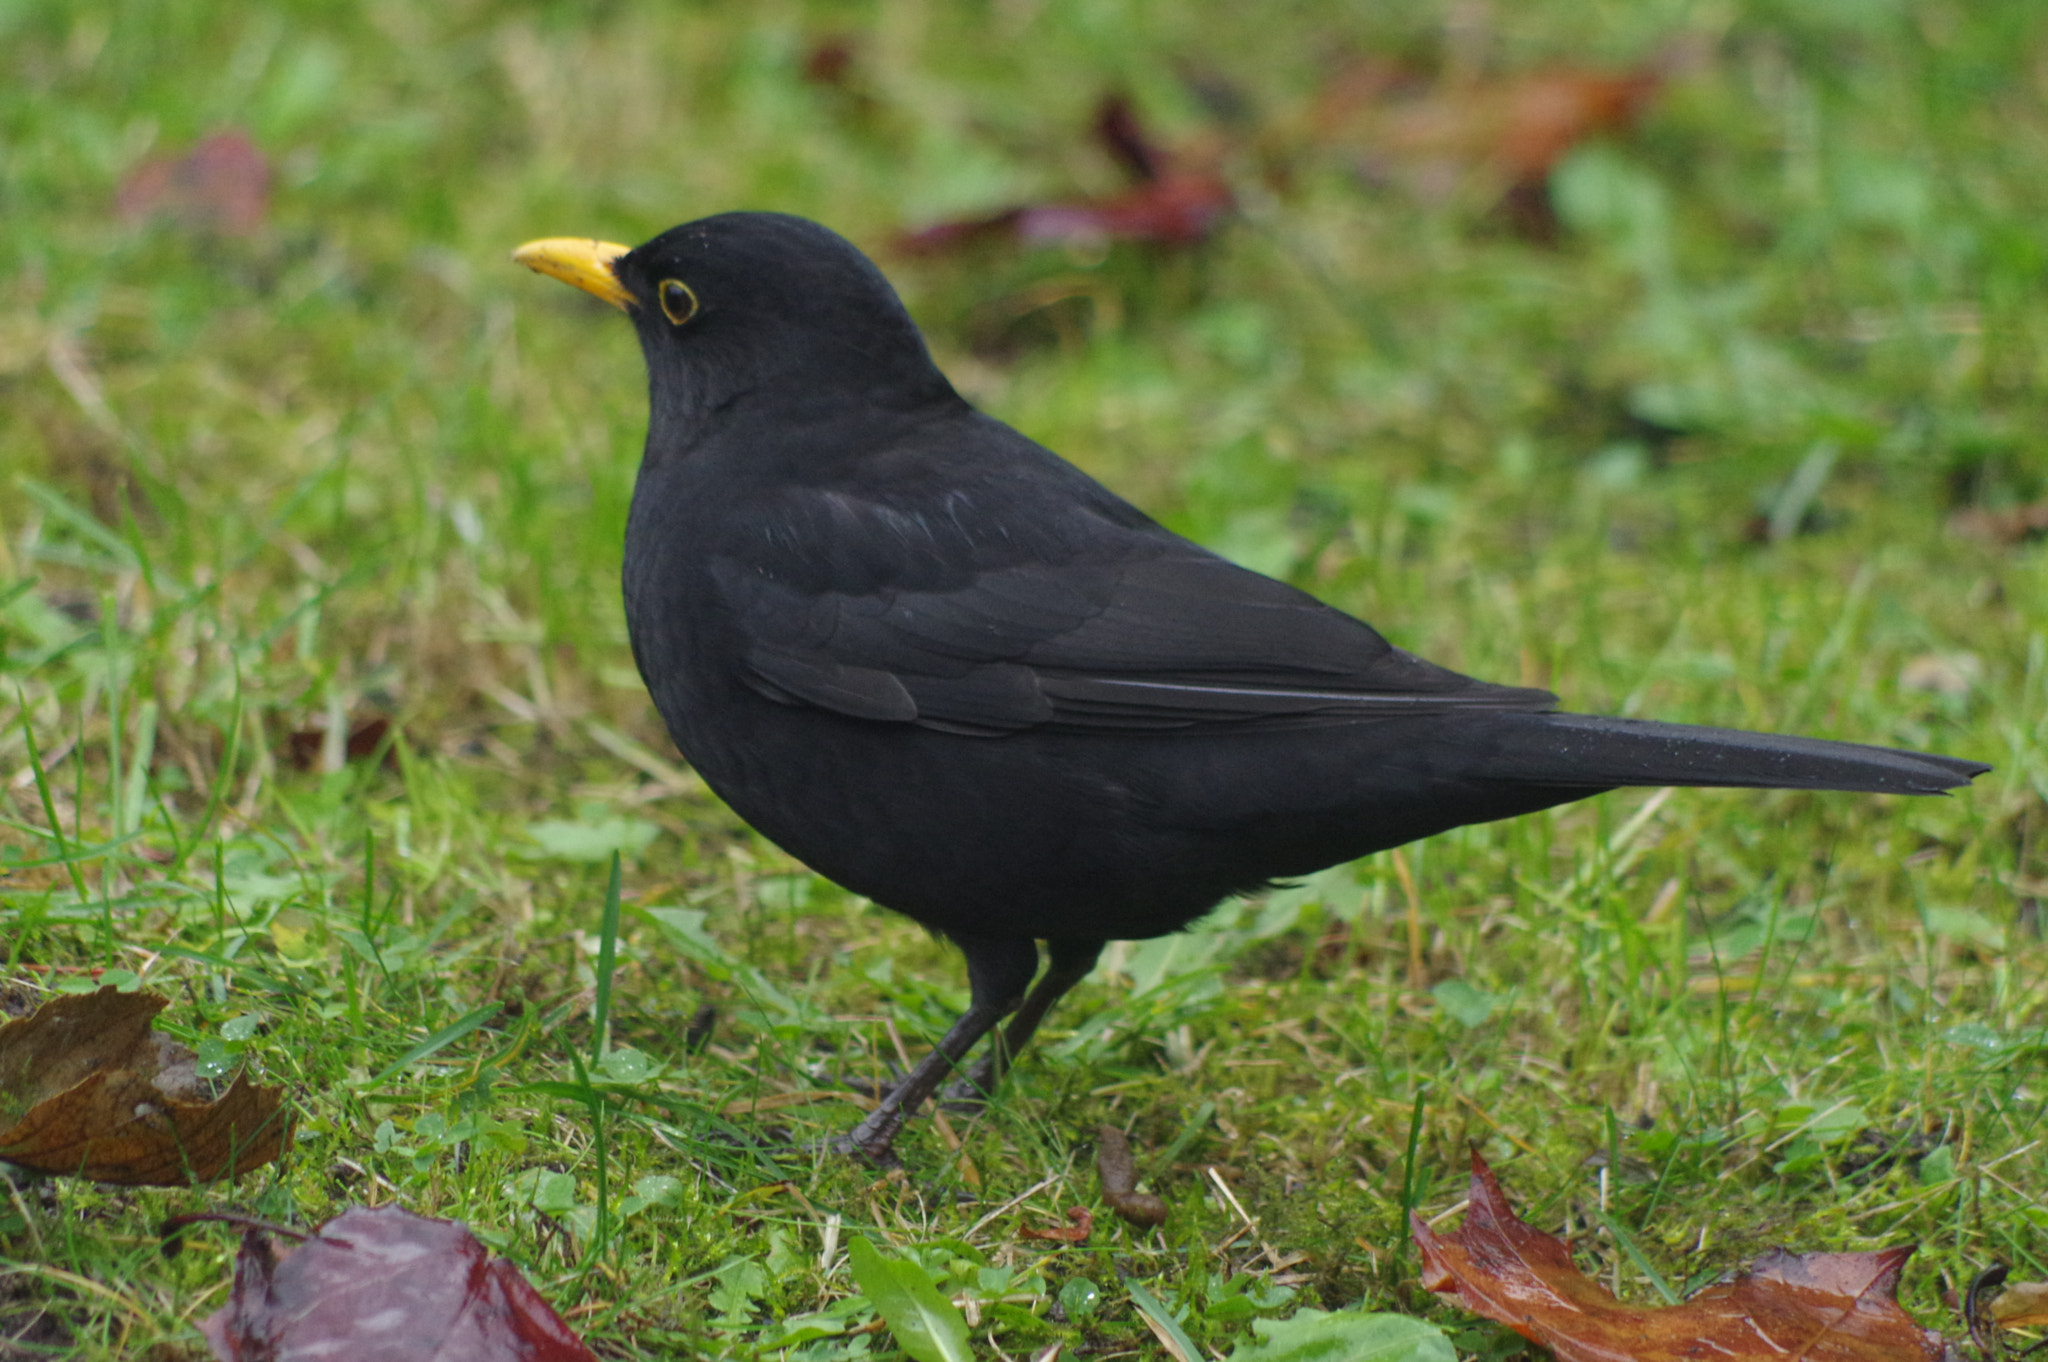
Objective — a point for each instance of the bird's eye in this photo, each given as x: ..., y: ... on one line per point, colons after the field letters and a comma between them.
x: 678, y: 304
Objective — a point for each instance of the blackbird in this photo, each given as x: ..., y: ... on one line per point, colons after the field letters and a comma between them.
x: 948, y: 670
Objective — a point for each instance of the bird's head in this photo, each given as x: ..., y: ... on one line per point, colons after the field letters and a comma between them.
x: 747, y: 306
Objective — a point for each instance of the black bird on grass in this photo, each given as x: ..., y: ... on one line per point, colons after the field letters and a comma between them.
x: 947, y: 669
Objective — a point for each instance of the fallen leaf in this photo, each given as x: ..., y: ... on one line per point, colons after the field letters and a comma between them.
x: 1818, y: 1307
x: 2014, y: 525
x: 306, y: 748
x: 385, y: 1285
x: 1949, y: 674
x: 1119, y: 1175
x: 1177, y: 198
x: 2021, y: 1305
x: 1081, y: 1224
x: 829, y: 61
x: 222, y: 185
x: 1493, y: 139
x: 88, y: 1090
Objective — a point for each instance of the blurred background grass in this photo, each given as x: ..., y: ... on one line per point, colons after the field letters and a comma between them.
x: 1697, y: 451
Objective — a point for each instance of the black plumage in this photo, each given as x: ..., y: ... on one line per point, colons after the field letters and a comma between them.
x: 948, y: 670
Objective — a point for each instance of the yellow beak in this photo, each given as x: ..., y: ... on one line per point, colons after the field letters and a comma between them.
x: 576, y: 260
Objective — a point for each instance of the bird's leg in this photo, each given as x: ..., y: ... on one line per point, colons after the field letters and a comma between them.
x: 998, y: 972
x: 1071, y: 961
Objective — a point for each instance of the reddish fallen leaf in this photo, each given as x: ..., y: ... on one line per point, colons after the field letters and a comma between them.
x: 385, y: 1285
x: 1119, y: 1173
x: 1817, y: 1307
x: 222, y: 185
x: 304, y: 747
x: 1177, y: 198
x: 2015, y: 525
x: 1519, y: 127
x: 1081, y: 1224
x: 1123, y: 136
x: 829, y: 62
x: 88, y: 1090
x: 1494, y: 140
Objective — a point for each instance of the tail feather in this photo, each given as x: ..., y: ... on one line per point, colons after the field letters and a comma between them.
x: 1601, y: 753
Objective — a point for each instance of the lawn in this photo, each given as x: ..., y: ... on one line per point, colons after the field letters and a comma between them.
x: 1746, y: 433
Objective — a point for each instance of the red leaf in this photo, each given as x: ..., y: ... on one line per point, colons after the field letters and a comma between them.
x: 1494, y: 140
x: 1123, y: 137
x: 829, y: 62
x: 1817, y: 1307
x: 1176, y: 199
x: 385, y: 1285
x: 1177, y: 210
x: 221, y: 185
x: 1081, y: 1224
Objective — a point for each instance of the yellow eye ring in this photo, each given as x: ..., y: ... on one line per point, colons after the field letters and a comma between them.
x: 678, y: 303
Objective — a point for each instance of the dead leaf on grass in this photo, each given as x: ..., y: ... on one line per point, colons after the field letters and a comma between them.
x: 222, y: 185
x: 1818, y: 1307
x: 1177, y: 198
x: 307, y: 750
x: 385, y: 1285
x: 88, y: 1090
x: 1494, y: 139
x: 2021, y: 1305
x: 2011, y: 525
x: 1080, y: 1224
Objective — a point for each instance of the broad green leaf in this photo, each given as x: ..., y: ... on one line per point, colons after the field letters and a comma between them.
x: 1345, y: 1336
x: 927, y: 1325
x: 1464, y: 1004
x: 1080, y: 1298
x: 563, y: 840
x: 627, y: 1065
x: 1938, y: 1166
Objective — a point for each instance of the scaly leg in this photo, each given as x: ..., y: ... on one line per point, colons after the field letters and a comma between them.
x: 999, y: 970
x: 1071, y: 961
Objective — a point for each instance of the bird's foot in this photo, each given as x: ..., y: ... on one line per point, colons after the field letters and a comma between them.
x: 876, y: 1153
x: 964, y: 1097
x: 872, y: 1089
x: 970, y: 1092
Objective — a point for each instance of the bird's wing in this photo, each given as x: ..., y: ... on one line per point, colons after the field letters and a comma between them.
x: 1161, y: 634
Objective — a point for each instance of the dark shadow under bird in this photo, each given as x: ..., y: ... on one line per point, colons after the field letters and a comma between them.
x: 948, y: 670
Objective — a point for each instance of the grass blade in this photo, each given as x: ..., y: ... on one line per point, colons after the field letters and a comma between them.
x: 448, y: 1035
x: 1164, y: 1326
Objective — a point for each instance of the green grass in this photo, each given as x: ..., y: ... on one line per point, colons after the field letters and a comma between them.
x: 360, y: 465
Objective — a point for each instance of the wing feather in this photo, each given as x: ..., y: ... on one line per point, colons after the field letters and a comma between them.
x: 1142, y: 631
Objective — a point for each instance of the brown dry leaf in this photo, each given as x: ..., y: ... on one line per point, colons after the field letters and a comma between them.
x: 222, y: 185
x: 1496, y: 140
x: 2013, y: 525
x: 829, y: 62
x: 88, y: 1090
x: 306, y: 748
x: 1080, y: 1224
x: 1177, y: 198
x: 2021, y: 1305
x: 1119, y: 1175
x: 1818, y: 1307
x: 1953, y: 675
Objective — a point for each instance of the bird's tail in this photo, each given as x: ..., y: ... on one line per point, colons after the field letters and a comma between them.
x: 1583, y: 749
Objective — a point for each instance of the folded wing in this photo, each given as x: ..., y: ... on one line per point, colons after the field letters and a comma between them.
x: 1143, y: 631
